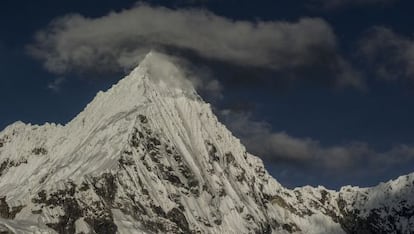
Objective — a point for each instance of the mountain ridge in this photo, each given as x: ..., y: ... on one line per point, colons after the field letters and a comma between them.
x: 150, y: 156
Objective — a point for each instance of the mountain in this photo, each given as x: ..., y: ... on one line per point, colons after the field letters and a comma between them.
x: 150, y: 156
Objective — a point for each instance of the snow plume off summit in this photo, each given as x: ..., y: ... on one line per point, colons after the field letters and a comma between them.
x: 149, y: 156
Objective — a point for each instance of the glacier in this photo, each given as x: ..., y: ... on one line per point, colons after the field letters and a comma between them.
x: 149, y: 156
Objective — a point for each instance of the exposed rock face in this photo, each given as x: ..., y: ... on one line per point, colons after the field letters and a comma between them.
x: 6, y: 211
x: 149, y: 156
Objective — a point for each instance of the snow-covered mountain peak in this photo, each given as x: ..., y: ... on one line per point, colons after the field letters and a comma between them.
x: 160, y: 73
x: 149, y: 156
x: 156, y: 79
x: 156, y: 76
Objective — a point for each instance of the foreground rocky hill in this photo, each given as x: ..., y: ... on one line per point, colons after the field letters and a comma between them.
x: 149, y: 156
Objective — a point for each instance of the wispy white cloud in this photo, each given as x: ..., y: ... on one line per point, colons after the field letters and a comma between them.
x: 120, y: 39
x: 389, y: 55
x: 56, y: 84
x: 356, y: 157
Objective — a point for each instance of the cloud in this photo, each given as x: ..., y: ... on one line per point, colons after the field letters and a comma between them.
x: 179, y: 72
x: 335, y: 4
x: 390, y: 55
x: 279, y: 147
x: 56, y: 84
x: 119, y: 40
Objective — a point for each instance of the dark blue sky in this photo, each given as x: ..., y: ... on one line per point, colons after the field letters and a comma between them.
x: 379, y: 115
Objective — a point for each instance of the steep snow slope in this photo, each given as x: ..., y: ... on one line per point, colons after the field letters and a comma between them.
x: 149, y: 156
